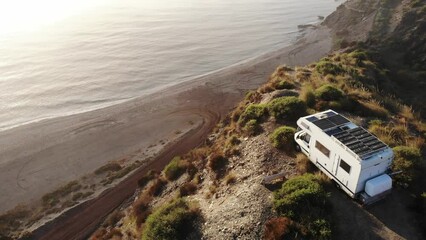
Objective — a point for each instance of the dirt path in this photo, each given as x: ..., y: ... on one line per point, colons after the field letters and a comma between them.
x: 388, y: 219
x: 81, y: 221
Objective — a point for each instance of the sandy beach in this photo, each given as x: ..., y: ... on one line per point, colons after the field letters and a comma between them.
x: 39, y: 157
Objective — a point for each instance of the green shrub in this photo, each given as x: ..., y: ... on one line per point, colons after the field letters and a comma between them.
x: 282, y: 138
x: 253, y: 111
x: 252, y: 127
x: 174, y: 169
x: 304, y: 200
x: 287, y: 107
x: 172, y: 221
x: 406, y: 160
x: 284, y: 85
x: 299, y: 196
x: 320, y: 229
x: 326, y: 67
x: 328, y: 92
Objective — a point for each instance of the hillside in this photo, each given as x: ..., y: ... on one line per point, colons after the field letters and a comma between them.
x: 216, y: 190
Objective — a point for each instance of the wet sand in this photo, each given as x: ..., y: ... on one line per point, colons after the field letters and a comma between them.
x: 37, y: 158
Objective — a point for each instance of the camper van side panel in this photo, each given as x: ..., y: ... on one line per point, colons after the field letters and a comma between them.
x: 374, y: 167
x: 333, y: 159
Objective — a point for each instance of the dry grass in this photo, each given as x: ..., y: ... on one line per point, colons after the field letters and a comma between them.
x: 53, y: 198
x: 113, y: 218
x: 303, y: 164
x: 307, y: 95
x: 150, y: 175
x: 187, y: 188
x: 109, y: 167
x: 373, y: 109
x: 277, y: 228
x: 231, y: 178
x: 141, y: 208
x: 12, y: 219
x: 157, y: 187
x: 211, y: 192
x: 217, y: 162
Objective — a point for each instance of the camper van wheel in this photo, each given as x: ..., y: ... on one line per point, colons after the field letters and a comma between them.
x: 297, y: 148
x: 337, y: 185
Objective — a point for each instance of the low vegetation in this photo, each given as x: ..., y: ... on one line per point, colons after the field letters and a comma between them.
x: 303, y: 200
x: 175, y: 168
x: 187, y: 188
x: 279, y: 228
x: 217, y: 162
x: 282, y: 138
x: 109, y: 167
x: 173, y: 221
x: 407, y: 160
x: 54, y: 197
x: 289, y: 108
x: 150, y: 175
x: 252, y: 128
x: 253, y: 112
x: 328, y: 92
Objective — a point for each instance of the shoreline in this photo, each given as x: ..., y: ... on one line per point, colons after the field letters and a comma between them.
x: 48, y: 153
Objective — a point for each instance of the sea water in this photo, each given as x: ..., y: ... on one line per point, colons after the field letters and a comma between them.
x: 116, y: 50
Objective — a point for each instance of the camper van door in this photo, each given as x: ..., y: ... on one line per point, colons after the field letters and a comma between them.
x: 343, y: 171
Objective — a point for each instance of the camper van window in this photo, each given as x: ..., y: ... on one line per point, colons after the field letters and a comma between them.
x: 345, y: 166
x: 322, y: 149
x: 306, y: 137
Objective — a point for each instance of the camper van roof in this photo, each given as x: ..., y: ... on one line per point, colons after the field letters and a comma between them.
x: 357, y: 139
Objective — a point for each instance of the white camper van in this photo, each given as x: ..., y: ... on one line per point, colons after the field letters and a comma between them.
x: 354, y: 158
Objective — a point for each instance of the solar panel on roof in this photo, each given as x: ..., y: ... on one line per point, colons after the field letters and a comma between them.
x: 329, y: 114
x: 334, y: 131
x: 359, y: 140
x: 338, y: 119
x: 324, y: 124
x: 311, y: 119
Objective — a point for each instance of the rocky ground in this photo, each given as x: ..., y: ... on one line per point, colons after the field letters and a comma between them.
x: 239, y: 210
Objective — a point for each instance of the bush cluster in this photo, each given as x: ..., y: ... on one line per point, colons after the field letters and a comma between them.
x: 282, y: 138
x: 326, y: 67
x: 406, y: 160
x: 328, y: 92
x: 253, y: 112
x: 173, y: 221
x: 284, y: 85
x: 304, y: 200
x: 217, y: 162
x: 290, y: 108
x: 252, y: 128
x: 175, y: 169
x: 144, y: 180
